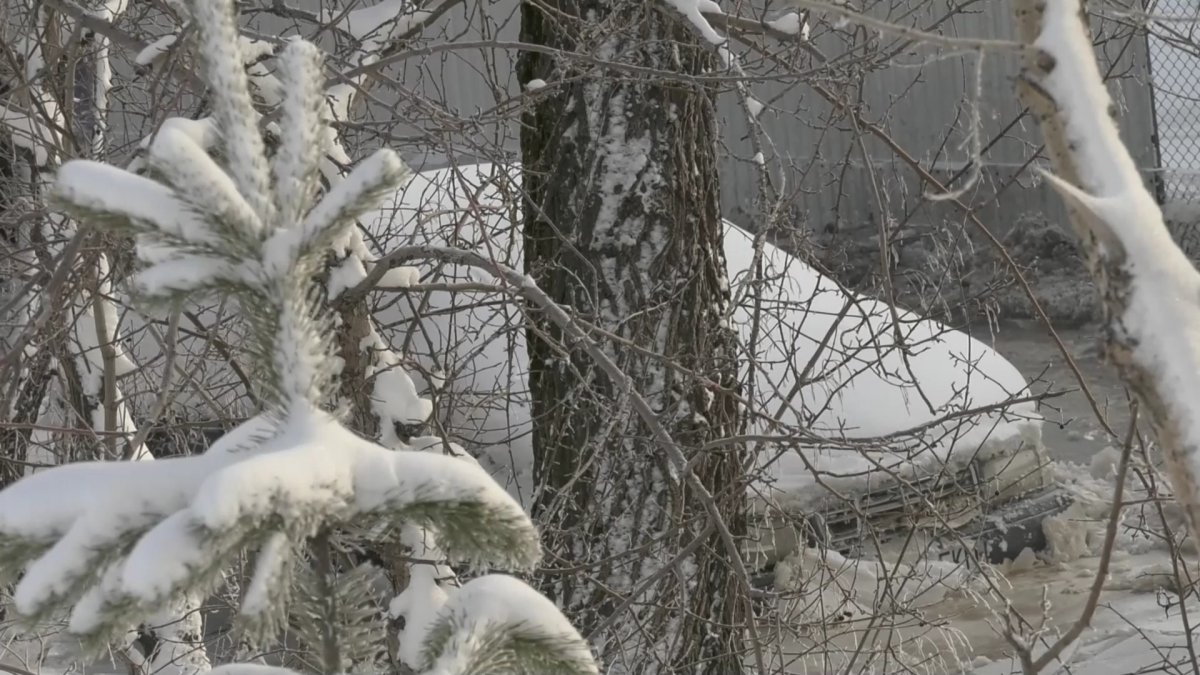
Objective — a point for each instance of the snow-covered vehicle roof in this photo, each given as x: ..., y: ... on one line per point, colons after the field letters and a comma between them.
x: 860, y: 391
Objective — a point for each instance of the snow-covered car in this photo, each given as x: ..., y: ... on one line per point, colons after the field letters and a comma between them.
x: 872, y: 417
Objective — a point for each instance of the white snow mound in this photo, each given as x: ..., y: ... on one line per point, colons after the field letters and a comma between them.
x: 882, y: 373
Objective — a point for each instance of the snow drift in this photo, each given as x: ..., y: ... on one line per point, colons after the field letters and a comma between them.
x: 870, y: 390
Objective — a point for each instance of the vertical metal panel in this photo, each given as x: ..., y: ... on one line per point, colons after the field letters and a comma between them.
x: 923, y: 99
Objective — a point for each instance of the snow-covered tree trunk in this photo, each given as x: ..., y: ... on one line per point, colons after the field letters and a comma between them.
x: 623, y: 226
x: 1150, y: 290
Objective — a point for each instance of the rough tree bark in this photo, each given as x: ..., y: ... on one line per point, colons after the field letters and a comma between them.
x: 622, y: 226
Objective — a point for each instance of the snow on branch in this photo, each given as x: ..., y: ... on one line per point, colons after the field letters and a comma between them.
x: 694, y: 11
x: 203, y: 185
x: 100, y: 193
x: 377, y: 24
x: 223, y: 66
x: 155, y: 51
x: 499, y: 619
x: 30, y: 132
x: 1151, y: 291
x: 359, y: 193
x: 299, y: 152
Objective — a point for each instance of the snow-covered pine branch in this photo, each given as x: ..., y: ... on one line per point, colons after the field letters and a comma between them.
x: 1150, y: 289
x: 99, y: 358
x: 114, y: 541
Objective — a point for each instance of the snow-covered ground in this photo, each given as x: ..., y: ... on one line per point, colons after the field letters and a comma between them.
x: 963, y: 633
x: 943, y: 618
x: 1071, y: 431
x: 955, y: 623
x: 1133, y: 630
x: 1137, y: 626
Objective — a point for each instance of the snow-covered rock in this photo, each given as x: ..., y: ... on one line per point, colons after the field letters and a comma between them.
x: 872, y: 374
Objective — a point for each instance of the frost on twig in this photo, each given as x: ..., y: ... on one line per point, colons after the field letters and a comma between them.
x: 111, y: 542
x: 1151, y: 291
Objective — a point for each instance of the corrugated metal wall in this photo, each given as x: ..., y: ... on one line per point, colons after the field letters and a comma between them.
x: 925, y: 104
x: 923, y: 99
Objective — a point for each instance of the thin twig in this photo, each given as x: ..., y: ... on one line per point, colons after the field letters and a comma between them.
x: 1110, y: 537
x: 525, y: 286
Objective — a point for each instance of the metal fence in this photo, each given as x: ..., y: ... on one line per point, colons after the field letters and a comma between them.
x: 1174, y: 45
x: 837, y: 179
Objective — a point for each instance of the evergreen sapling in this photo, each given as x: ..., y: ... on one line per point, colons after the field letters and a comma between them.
x: 113, y: 542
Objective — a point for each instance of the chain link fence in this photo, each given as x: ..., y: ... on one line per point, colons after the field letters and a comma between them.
x: 1174, y: 45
